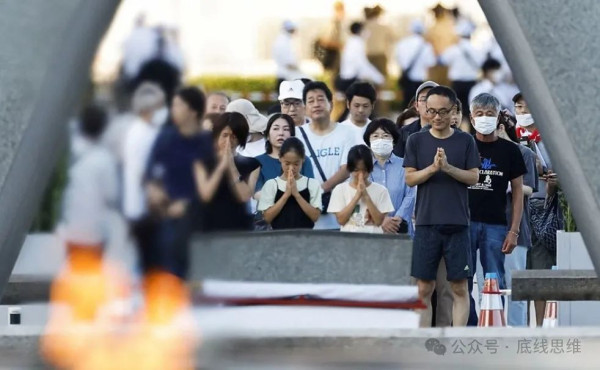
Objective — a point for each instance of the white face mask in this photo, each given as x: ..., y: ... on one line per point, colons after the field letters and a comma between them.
x: 159, y: 117
x: 485, y: 125
x: 382, y: 147
x: 524, y: 120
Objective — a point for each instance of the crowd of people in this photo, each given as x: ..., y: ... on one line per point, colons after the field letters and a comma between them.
x: 457, y: 172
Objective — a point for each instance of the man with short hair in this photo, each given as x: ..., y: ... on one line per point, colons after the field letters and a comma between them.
x: 442, y: 162
x: 327, y: 143
x: 501, y: 164
x: 360, y: 101
x: 290, y: 99
x: 416, y: 126
x: 216, y: 102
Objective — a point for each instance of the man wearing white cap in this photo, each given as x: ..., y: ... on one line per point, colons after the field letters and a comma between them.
x: 257, y: 123
x: 414, y: 56
x: 285, y: 56
x: 290, y: 98
x: 464, y: 63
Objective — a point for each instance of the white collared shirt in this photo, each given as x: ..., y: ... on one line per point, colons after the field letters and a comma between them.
x: 411, y: 47
x: 460, y: 68
x: 354, y: 63
x: 284, y: 56
x: 139, y: 140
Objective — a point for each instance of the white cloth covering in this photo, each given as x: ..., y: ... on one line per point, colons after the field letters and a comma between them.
x: 347, y: 292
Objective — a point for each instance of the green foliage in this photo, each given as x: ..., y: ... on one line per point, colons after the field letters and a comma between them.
x: 243, y: 85
x: 569, y: 220
x: 49, y: 212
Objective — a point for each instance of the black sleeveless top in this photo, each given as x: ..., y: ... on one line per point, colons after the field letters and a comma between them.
x: 291, y: 215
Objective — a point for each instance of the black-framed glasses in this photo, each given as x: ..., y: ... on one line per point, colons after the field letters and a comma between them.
x: 296, y: 104
x: 444, y: 112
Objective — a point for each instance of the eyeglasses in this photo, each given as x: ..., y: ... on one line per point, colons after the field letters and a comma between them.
x: 295, y: 104
x: 442, y: 112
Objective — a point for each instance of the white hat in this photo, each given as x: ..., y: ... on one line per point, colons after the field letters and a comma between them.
x: 256, y: 121
x: 291, y: 90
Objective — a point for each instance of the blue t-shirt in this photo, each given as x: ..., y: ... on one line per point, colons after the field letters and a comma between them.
x: 270, y: 168
x: 172, y: 158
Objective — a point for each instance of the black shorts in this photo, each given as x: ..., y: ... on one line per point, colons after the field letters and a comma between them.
x: 432, y: 242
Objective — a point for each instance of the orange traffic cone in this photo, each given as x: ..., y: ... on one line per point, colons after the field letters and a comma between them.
x: 491, y: 303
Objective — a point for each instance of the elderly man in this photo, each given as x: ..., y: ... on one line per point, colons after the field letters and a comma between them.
x: 501, y: 164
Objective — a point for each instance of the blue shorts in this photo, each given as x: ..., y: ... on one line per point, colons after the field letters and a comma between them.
x: 432, y: 242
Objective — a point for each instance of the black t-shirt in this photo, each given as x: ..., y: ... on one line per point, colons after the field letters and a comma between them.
x: 441, y: 200
x: 405, y: 132
x: 224, y: 211
x: 171, y: 161
x: 501, y: 161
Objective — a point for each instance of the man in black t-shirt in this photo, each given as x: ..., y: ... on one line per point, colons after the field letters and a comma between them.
x: 501, y: 164
x: 442, y: 162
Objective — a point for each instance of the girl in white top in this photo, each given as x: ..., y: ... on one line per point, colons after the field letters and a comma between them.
x: 291, y: 201
x: 360, y: 205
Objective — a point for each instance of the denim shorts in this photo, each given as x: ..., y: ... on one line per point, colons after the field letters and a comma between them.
x: 432, y: 242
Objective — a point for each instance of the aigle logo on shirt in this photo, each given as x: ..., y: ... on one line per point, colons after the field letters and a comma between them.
x: 326, y: 152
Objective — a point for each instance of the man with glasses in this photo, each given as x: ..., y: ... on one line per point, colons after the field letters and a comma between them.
x: 417, y: 125
x: 442, y: 162
x: 501, y: 164
x: 290, y: 98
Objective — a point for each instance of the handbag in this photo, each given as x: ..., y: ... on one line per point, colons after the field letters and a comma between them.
x: 326, y: 197
x: 259, y: 222
x: 546, y: 219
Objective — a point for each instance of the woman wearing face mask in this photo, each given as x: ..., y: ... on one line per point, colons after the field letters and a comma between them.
x: 388, y: 170
x: 279, y: 128
x: 291, y: 201
x: 360, y: 205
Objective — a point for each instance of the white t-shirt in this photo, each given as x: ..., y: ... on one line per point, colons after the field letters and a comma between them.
x: 342, y: 196
x: 269, y: 191
x: 331, y: 149
x: 358, y: 131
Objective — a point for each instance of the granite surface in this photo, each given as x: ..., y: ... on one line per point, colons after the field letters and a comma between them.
x: 46, y: 48
x: 302, y: 257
